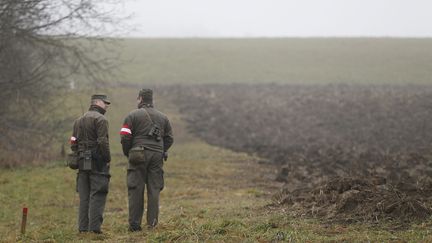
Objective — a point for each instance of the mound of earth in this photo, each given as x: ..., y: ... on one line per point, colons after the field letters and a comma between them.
x: 347, y: 199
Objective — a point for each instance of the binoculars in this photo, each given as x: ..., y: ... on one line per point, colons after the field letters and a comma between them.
x: 155, y: 133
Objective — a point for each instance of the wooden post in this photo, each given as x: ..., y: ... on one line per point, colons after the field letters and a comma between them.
x: 24, y: 220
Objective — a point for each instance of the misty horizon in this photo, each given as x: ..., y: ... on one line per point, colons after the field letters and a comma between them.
x: 277, y: 18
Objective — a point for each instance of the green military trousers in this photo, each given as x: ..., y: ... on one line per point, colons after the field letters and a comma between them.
x: 147, y: 173
x: 92, y: 189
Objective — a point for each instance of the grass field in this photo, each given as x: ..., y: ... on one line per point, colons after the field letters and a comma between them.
x: 285, y: 60
x: 211, y: 195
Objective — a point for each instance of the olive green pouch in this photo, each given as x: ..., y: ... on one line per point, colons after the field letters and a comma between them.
x: 87, y: 161
x: 72, y: 160
x: 137, y: 155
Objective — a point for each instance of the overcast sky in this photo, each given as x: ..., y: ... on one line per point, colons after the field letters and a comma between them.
x: 270, y: 18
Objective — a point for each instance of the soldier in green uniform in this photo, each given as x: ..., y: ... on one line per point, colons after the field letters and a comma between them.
x: 146, y: 136
x: 90, y: 141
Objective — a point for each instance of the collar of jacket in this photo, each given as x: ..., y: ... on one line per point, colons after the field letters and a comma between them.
x: 142, y: 104
x: 97, y: 108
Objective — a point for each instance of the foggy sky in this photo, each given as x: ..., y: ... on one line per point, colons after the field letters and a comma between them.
x: 270, y: 18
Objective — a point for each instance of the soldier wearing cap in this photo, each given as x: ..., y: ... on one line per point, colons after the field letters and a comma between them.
x: 146, y: 136
x: 90, y: 141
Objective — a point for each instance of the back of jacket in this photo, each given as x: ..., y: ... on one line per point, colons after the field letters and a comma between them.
x: 137, y: 127
x: 91, y: 132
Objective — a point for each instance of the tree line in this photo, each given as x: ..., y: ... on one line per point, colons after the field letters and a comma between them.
x: 44, y: 44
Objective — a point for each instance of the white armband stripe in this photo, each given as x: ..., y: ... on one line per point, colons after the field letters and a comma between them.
x: 127, y: 130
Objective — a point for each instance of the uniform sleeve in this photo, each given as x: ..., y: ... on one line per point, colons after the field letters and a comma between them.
x: 102, y: 139
x: 126, y: 135
x: 168, y: 138
x: 74, y: 137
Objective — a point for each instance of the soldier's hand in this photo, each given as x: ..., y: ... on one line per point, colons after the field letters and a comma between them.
x: 165, y: 156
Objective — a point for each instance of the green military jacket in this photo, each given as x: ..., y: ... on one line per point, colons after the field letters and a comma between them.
x: 90, y: 131
x: 136, y: 128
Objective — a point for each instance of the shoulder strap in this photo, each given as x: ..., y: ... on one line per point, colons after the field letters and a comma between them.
x: 148, y: 115
x: 81, y: 131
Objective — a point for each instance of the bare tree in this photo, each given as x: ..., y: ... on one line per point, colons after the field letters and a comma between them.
x: 43, y: 43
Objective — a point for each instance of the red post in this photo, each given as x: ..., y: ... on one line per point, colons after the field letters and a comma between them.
x: 24, y: 220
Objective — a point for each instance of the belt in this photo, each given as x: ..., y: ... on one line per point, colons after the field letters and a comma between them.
x: 152, y: 149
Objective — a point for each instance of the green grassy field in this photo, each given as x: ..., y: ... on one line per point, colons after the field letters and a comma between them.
x: 285, y: 60
x: 211, y: 195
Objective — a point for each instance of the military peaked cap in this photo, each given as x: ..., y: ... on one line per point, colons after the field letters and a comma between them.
x: 102, y: 97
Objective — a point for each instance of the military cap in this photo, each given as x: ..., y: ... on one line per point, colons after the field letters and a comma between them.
x: 102, y: 97
x: 147, y: 95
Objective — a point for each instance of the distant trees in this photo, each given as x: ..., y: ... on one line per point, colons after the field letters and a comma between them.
x: 43, y: 43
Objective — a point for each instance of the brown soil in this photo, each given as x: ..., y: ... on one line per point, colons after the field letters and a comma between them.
x: 350, y: 153
x: 360, y: 199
